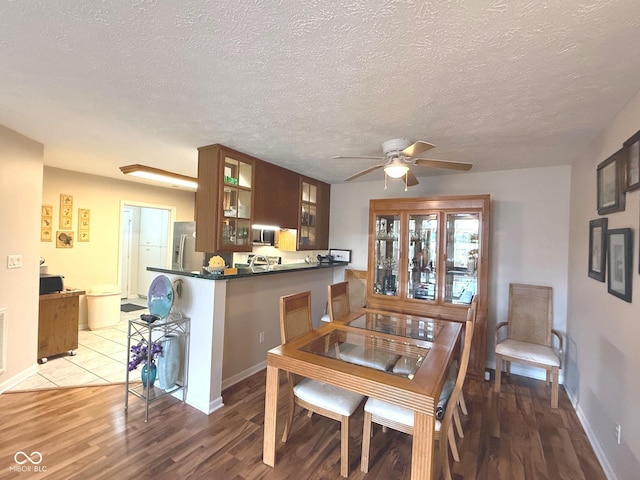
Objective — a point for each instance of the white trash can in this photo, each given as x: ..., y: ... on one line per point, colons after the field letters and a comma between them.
x: 103, y: 306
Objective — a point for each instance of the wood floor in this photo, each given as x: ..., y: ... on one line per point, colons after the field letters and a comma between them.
x: 85, y: 433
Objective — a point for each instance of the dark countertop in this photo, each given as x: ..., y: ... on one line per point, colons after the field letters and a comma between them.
x: 245, y: 272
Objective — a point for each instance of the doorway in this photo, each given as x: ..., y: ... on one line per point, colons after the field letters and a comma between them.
x: 145, y: 233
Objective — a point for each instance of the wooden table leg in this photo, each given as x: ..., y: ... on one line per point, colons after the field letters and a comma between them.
x: 270, y: 417
x: 422, y: 451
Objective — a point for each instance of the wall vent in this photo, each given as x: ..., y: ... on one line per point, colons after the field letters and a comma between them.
x: 3, y: 339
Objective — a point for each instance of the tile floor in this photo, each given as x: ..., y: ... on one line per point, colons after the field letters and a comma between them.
x: 101, y: 358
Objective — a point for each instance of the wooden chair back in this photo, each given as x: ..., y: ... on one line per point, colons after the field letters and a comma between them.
x: 295, y: 315
x: 357, y: 287
x: 472, y: 313
x: 338, y: 294
x: 530, y: 316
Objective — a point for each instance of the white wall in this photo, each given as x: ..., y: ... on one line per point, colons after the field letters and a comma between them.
x: 603, y: 358
x: 529, y: 230
x: 20, y: 191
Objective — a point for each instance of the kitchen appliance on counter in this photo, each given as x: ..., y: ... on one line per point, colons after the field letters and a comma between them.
x: 185, y: 257
x: 51, y: 283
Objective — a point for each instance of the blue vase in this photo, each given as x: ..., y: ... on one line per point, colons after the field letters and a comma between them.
x: 152, y: 374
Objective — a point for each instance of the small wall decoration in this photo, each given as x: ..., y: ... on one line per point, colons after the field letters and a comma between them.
x: 619, y: 262
x: 610, y: 184
x: 340, y: 255
x: 598, y: 248
x: 46, y: 223
x: 66, y: 211
x: 64, y: 239
x: 84, y: 224
x: 632, y: 151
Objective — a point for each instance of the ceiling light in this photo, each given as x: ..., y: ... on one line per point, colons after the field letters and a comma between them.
x: 158, y: 175
x: 396, y: 168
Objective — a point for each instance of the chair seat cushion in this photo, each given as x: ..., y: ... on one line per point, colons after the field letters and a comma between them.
x: 395, y: 413
x: 530, y: 352
x: 329, y: 397
x: 371, y: 358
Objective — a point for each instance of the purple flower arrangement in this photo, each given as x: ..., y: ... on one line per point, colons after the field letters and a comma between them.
x: 140, y: 353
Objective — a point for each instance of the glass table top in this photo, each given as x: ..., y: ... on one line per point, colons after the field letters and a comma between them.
x: 420, y: 329
x: 397, y: 358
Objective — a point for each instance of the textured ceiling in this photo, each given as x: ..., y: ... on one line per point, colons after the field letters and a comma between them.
x: 503, y: 84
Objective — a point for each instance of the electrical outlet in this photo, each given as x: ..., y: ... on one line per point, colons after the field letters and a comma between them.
x: 618, y: 432
x: 14, y: 261
x: 261, y: 337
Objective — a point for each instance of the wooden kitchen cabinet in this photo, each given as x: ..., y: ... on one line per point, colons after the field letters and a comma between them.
x: 313, y: 214
x: 428, y: 256
x: 225, y: 200
x: 276, y: 196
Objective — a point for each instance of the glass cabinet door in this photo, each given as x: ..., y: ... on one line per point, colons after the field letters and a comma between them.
x: 236, y: 208
x: 387, y: 255
x: 461, y: 276
x: 308, y: 204
x: 423, y: 254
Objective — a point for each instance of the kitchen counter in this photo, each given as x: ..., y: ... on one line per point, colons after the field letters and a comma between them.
x: 246, y: 272
x: 235, y: 320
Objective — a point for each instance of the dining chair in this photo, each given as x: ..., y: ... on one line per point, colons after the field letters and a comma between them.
x: 316, y: 397
x: 401, y: 418
x: 338, y: 303
x: 529, y: 334
x: 472, y: 314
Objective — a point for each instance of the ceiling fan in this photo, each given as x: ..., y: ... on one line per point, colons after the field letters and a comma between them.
x: 399, y: 153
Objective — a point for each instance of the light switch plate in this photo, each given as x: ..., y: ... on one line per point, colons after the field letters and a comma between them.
x: 14, y: 261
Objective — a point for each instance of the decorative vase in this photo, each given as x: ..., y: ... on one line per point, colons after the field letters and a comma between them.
x: 152, y: 374
x: 169, y: 362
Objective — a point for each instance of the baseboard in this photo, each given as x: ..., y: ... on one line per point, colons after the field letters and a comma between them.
x: 202, y: 404
x: 227, y: 382
x: 16, y: 379
x: 593, y: 439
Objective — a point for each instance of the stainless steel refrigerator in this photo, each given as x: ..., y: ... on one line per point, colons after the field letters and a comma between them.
x: 185, y: 257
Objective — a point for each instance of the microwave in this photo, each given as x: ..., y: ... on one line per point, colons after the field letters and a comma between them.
x: 264, y: 237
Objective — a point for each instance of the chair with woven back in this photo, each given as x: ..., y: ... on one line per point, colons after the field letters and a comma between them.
x: 401, y: 419
x: 312, y: 395
x: 529, y: 334
x: 338, y: 303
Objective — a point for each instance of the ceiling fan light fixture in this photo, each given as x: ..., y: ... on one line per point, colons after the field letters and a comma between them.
x: 158, y: 175
x: 396, y: 169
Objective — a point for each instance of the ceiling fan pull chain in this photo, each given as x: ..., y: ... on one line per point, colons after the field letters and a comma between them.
x: 406, y: 180
x: 385, y: 180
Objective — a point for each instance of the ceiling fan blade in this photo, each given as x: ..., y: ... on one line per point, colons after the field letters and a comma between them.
x: 417, y: 148
x: 451, y: 165
x: 367, y: 158
x: 364, y: 172
x: 411, y: 179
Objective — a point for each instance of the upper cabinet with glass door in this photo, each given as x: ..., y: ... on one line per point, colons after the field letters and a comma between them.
x: 224, y: 201
x: 428, y: 256
x: 313, y: 221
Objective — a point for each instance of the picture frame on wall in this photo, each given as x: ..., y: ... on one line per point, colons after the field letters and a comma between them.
x: 632, y: 166
x: 620, y: 262
x: 598, y: 248
x: 610, y: 180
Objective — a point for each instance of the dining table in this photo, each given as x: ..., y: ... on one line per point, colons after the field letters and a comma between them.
x: 398, y: 358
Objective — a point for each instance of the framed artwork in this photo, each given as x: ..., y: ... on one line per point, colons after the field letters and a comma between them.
x: 46, y: 223
x: 340, y: 255
x: 66, y: 211
x: 598, y: 248
x: 84, y: 224
x: 610, y: 178
x: 64, y: 239
x: 619, y: 262
x: 632, y: 166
